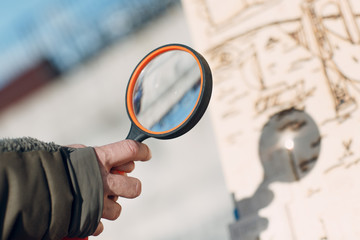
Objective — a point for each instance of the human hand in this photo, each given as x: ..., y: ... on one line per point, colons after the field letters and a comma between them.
x: 115, y: 161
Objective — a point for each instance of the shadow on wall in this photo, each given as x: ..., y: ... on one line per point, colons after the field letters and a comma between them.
x: 289, y: 148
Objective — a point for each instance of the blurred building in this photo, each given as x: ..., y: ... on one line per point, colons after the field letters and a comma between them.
x: 183, y: 190
x: 49, y: 38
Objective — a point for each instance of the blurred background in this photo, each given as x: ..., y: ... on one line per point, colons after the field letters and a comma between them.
x: 65, y: 67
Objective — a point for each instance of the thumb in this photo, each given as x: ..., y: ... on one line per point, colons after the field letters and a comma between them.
x: 119, y: 153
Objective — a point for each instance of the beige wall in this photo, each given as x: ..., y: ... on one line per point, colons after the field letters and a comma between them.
x: 268, y: 56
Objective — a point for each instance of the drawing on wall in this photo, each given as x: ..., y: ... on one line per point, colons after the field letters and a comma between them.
x: 271, y: 57
x: 237, y: 11
x: 335, y: 49
x: 308, y: 39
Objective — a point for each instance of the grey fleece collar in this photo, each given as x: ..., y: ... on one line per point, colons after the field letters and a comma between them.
x: 26, y: 144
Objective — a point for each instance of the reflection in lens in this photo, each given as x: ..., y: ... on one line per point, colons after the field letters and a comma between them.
x: 167, y: 91
x: 289, y: 145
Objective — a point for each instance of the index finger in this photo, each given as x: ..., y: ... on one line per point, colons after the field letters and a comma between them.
x: 118, y: 153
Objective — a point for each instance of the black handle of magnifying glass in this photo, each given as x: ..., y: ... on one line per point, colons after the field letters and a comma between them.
x: 136, y: 134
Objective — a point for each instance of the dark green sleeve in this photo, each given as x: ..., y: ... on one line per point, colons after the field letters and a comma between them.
x: 48, y: 191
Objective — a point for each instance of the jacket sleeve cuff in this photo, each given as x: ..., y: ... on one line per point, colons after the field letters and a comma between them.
x: 88, y: 191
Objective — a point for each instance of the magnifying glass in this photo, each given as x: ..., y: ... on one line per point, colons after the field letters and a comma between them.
x: 168, y: 93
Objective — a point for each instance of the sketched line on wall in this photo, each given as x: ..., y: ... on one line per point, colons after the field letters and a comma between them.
x: 312, y: 31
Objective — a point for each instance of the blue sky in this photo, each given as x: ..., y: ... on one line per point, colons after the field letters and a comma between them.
x: 15, y: 17
x: 64, y: 31
x: 51, y: 28
x: 11, y: 13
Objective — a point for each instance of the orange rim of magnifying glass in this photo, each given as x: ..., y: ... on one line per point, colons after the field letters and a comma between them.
x: 137, y: 72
